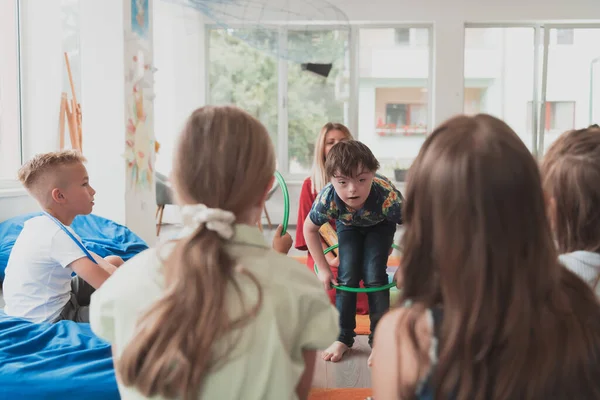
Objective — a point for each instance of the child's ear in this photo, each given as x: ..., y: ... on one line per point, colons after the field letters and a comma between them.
x: 268, y: 189
x: 57, y: 196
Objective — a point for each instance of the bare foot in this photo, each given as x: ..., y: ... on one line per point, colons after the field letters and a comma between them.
x: 335, y: 352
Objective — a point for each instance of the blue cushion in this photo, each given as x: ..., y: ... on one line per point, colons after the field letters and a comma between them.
x: 100, y: 235
x: 64, y: 360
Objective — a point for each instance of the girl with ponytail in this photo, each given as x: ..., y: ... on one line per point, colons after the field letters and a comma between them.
x: 217, y: 313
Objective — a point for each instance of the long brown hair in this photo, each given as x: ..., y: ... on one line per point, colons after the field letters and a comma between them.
x: 516, y: 325
x: 571, y: 177
x: 318, y: 176
x: 224, y: 159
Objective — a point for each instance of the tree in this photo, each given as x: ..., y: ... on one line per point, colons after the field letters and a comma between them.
x: 244, y: 74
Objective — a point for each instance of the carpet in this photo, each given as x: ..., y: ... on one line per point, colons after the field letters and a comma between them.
x: 340, y: 394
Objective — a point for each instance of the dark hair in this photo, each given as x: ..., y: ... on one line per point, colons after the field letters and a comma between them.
x: 347, y: 157
x: 571, y: 176
x: 478, y: 243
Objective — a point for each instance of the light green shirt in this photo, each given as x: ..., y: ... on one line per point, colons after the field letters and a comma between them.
x: 267, y: 360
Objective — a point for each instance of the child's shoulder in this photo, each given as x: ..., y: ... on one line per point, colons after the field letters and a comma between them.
x: 141, y: 274
x: 40, y: 228
x: 295, y: 275
x: 383, y: 181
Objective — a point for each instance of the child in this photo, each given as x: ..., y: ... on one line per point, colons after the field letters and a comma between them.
x: 489, y: 312
x: 571, y: 177
x: 366, y: 208
x: 217, y: 313
x: 330, y: 134
x: 38, y: 284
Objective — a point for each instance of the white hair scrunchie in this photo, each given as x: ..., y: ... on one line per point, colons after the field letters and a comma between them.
x: 214, y: 219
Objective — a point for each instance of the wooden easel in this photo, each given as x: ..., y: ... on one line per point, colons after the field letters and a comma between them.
x: 71, y: 111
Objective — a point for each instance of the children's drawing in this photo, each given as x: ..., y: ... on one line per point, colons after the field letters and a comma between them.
x: 139, y: 17
x: 140, y: 142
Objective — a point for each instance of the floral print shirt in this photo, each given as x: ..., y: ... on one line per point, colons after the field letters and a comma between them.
x: 383, y: 203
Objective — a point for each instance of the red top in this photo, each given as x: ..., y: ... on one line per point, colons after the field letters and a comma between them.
x: 307, y: 197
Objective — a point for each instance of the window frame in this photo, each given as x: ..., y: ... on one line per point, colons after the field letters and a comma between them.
x: 11, y: 186
x: 353, y: 53
x: 541, y: 46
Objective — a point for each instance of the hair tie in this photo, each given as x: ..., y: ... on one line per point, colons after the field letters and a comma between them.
x: 213, y: 219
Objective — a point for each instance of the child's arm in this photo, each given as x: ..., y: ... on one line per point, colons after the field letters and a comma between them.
x: 90, y: 272
x: 305, y: 383
x: 313, y: 242
x: 105, y: 265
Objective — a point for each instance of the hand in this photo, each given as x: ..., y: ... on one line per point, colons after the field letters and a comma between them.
x: 282, y: 244
x: 334, y: 262
x: 326, y: 278
x: 399, y: 277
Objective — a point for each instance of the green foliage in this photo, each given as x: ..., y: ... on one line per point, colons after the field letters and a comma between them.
x: 242, y: 73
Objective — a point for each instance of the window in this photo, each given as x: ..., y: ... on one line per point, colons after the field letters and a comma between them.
x: 570, y: 102
x: 10, y: 119
x: 393, y: 94
x: 565, y: 36
x: 499, y: 75
x: 403, y: 119
x: 402, y: 36
x: 559, y: 116
x: 416, y: 37
x: 312, y: 99
x: 248, y: 77
x: 243, y: 75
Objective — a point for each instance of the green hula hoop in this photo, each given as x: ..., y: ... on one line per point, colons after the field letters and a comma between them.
x: 353, y: 289
x: 286, y: 201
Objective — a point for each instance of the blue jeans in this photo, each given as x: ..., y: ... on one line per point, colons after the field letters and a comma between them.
x: 363, y: 253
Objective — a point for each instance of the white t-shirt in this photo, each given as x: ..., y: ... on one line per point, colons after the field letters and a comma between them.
x: 267, y: 361
x: 37, y: 284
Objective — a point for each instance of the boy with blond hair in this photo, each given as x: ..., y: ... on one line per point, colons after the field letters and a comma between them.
x: 39, y: 285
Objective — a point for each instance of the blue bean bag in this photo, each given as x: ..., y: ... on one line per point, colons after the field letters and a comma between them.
x: 100, y: 235
x: 64, y: 360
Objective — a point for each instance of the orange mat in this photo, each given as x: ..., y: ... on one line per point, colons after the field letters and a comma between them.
x: 340, y: 394
x: 363, y: 325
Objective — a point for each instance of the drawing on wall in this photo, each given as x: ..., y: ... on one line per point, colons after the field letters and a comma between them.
x: 140, y: 143
x: 139, y: 17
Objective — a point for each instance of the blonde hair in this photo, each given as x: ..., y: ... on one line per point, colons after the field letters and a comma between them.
x: 571, y: 174
x: 33, y: 173
x: 318, y: 176
x: 224, y: 159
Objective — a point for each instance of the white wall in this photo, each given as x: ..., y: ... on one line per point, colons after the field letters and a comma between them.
x: 180, y: 87
x: 9, y: 92
x: 42, y: 64
x: 102, y: 103
x: 41, y: 85
x: 179, y: 41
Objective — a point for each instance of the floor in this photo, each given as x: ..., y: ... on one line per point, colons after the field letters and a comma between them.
x: 351, y: 372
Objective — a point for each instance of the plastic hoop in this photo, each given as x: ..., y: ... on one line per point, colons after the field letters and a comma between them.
x: 358, y: 290
x: 286, y: 201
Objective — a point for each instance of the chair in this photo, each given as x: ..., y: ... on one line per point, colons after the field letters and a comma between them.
x: 164, y: 196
